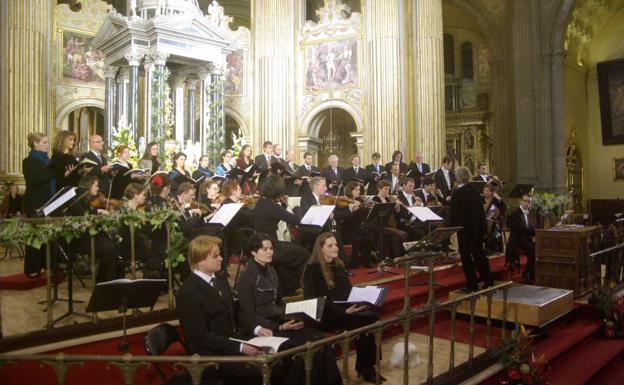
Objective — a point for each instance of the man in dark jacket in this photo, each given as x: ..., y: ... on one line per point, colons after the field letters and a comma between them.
x: 521, y: 233
x: 467, y: 211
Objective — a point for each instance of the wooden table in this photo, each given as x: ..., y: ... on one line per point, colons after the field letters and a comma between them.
x: 562, y: 258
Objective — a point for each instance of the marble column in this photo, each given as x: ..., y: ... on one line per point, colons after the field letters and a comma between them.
x: 205, y: 79
x: 191, y: 86
x: 158, y: 87
x: 177, y: 86
x: 274, y: 63
x: 25, y: 52
x: 121, y: 105
x: 429, y: 80
x: 148, y: 67
x: 385, y: 100
x: 134, y: 59
x: 109, y: 101
x: 559, y: 172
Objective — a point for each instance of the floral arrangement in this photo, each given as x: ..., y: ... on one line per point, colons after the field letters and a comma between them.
x: 547, y: 204
x: 612, y: 308
x: 239, y: 142
x: 521, y: 366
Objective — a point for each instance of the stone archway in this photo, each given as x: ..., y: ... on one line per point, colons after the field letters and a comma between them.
x: 235, y: 127
x: 333, y: 129
x: 84, y: 117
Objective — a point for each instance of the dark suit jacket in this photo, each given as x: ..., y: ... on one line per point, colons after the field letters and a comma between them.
x: 291, y: 188
x: 267, y: 214
x: 97, y: 171
x: 430, y: 197
x: 38, y: 188
x: 417, y: 175
x: 440, y: 181
x: 307, y: 200
x: 372, y: 185
x: 301, y: 172
x: 349, y: 173
x: 402, y: 167
x: 333, y: 178
x: 477, y: 178
x: 207, y: 318
x: 58, y: 165
x: 467, y: 210
x: 398, y: 183
x: 519, y: 232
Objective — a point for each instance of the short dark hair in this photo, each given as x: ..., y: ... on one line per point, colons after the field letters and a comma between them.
x: 446, y: 159
x: 428, y: 181
x: 382, y: 183
x: 480, y: 164
x: 254, y: 243
x: 376, y: 155
x: 273, y: 187
x: 184, y: 187
x: 306, y: 154
x: 406, y: 180
x: 267, y: 143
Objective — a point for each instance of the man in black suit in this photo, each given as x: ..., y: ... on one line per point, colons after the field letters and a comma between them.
x: 419, y: 169
x: 355, y: 172
x: 333, y: 175
x: 429, y: 194
x: 305, y: 171
x: 445, y: 179
x: 96, y: 146
x: 293, y: 183
x: 408, y: 222
x: 466, y: 210
x: 375, y: 172
x: 264, y: 161
x: 394, y: 178
x: 205, y: 307
x: 482, y: 173
x: 521, y: 233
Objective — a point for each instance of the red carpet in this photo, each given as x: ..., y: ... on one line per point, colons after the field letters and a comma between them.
x: 22, y: 282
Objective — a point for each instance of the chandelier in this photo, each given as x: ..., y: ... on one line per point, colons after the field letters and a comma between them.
x: 331, y: 141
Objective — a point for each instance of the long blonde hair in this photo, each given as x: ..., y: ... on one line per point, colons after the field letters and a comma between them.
x: 317, y: 256
x: 59, y: 141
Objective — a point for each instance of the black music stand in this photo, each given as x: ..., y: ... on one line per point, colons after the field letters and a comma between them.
x: 122, y: 295
x: 380, y: 212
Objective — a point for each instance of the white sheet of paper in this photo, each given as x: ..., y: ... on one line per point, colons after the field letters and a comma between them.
x: 59, y: 201
x: 270, y: 343
x: 424, y: 214
x: 317, y: 215
x: 363, y: 294
x: 308, y: 306
x: 225, y: 214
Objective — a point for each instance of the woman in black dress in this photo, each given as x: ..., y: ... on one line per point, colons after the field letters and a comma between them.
x: 12, y: 203
x: 325, y: 275
x: 40, y: 187
x: 202, y: 169
x: 178, y: 169
x: 63, y: 162
x: 149, y: 161
x: 352, y: 230
x: 244, y: 160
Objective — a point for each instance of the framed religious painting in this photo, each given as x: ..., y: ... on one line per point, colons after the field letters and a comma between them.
x: 234, y: 84
x: 80, y: 64
x: 331, y: 64
x: 618, y: 169
x: 611, y: 91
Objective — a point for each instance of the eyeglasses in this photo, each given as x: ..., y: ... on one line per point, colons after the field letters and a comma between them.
x: 526, y: 201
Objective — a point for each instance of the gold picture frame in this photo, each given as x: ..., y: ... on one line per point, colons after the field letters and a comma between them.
x: 618, y: 169
x: 79, y: 64
x: 343, y: 49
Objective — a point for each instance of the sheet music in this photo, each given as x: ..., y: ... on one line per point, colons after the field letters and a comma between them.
x: 249, y: 168
x: 368, y: 294
x: 317, y: 215
x: 424, y: 214
x: 225, y: 214
x: 59, y: 201
x: 308, y: 306
x: 269, y: 344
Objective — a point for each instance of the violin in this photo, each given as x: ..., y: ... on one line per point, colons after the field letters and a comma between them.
x: 218, y: 199
x: 103, y: 203
x: 248, y: 200
x: 339, y: 201
x: 204, y: 208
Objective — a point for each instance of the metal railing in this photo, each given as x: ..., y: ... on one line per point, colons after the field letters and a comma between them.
x: 195, y: 365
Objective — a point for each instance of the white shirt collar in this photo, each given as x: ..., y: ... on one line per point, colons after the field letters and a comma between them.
x: 204, y: 276
x: 525, y: 212
x: 445, y: 170
x: 318, y: 199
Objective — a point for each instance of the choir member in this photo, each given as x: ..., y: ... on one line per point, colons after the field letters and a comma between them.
x: 63, y: 162
x: 96, y: 146
x: 356, y: 172
x: 40, y: 187
x: 397, y: 158
x: 120, y: 179
x: 226, y: 163
x: 333, y: 175
x: 466, y: 210
x: 248, y: 185
x: 264, y: 161
x: 202, y: 168
x: 306, y: 170
x: 325, y: 275
x: 293, y: 183
x: 445, y: 179
x: 375, y: 173
x: 149, y: 161
x: 419, y: 168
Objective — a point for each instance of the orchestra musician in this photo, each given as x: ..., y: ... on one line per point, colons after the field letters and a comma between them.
x: 375, y: 173
x: 64, y: 161
x: 202, y: 168
x: 521, y: 234
x: 495, y: 209
x: 149, y: 161
x: 110, y: 266
x: 482, y: 173
x: 333, y: 175
x: 466, y: 210
x: 352, y: 228
x: 445, y: 179
x: 326, y: 275
x: 419, y: 169
x: 248, y: 185
x: 191, y: 222
x: 429, y: 194
x: 160, y: 190
x: 12, y: 204
x: 40, y: 187
x: 393, y: 236
x: 209, y: 195
x: 261, y: 304
x: 231, y: 190
x: 289, y: 258
x: 397, y: 158
x: 414, y: 228
x: 96, y: 146
x: 356, y: 172
x: 394, y: 179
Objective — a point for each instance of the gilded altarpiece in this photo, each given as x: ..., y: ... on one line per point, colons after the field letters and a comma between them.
x: 329, y: 75
x: 238, y: 84
x: 78, y: 72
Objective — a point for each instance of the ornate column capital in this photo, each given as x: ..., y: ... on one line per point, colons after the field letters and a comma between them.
x: 159, y: 57
x: 148, y: 63
x: 110, y: 71
x: 205, y: 71
x: 191, y: 84
x: 134, y: 57
x: 177, y: 81
x: 124, y: 74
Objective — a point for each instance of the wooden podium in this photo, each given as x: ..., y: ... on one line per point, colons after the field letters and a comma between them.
x: 562, y: 258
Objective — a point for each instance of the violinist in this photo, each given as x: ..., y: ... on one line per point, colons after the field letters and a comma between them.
x: 333, y: 175
x: 351, y: 226
x: 482, y: 173
x: 393, y: 236
x: 209, y: 194
x: 394, y: 178
x: 12, y: 203
x: 445, y: 179
x: 110, y: 266
x: 191, y: 221
x: 226, y: 164
x: 149, y: 161
x: 494, y: 208
x: 248, y: 185
x: 289, y: 258
x: 202, y: 169
x: 408, y: 222
x: 64, y: 161
x: 159, y: 188
x: 429, y: 194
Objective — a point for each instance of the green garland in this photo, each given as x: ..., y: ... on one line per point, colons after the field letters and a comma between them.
x: 160, y: 93
x: 14, y: 232
x: 215, y: 137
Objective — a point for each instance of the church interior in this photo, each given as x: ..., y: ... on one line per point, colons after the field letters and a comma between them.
x: 129, y: 127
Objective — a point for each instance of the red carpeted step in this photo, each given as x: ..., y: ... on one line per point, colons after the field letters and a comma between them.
x: 23, y: 282
x: 584, y: 361
x: 612, y: 374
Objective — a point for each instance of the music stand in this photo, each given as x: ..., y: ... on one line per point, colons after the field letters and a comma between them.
x: 380, y: 212
x: 124, y: 294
